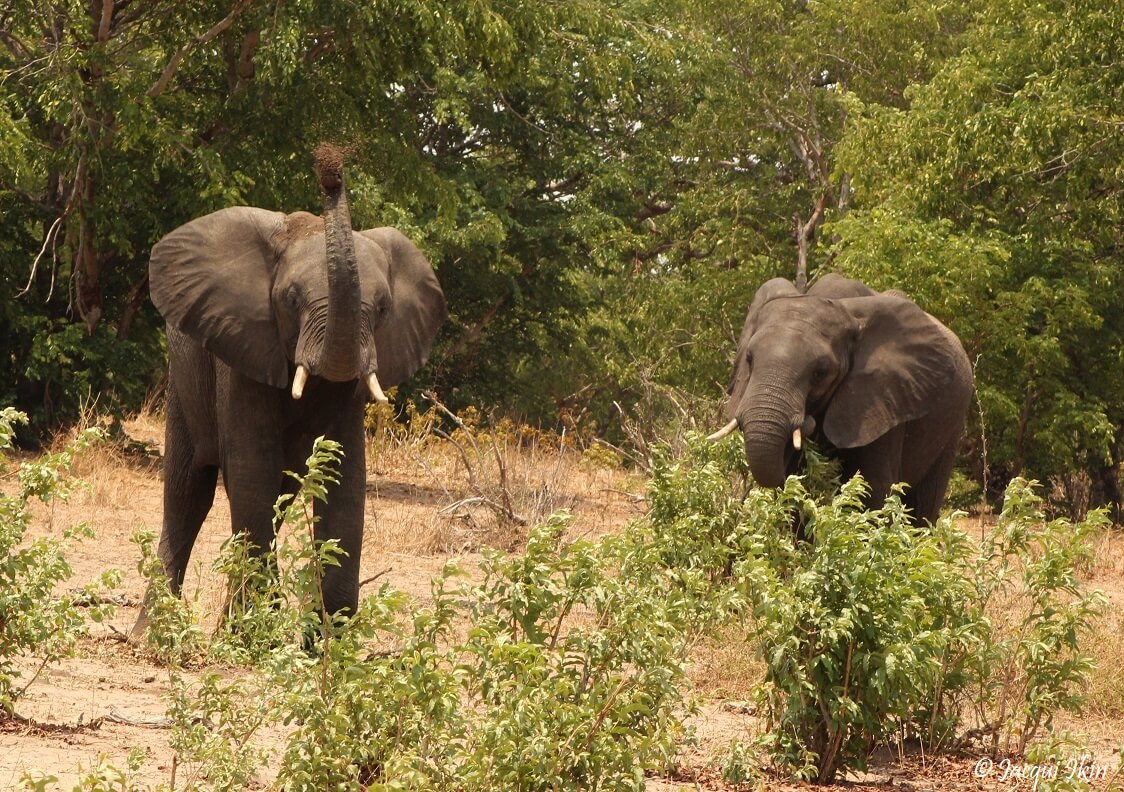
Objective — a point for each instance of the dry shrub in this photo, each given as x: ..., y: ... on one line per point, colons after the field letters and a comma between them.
x: 457, y: 482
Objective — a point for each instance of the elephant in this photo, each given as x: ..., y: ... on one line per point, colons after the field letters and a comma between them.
x: 279, y: 327
x: 873, y: 379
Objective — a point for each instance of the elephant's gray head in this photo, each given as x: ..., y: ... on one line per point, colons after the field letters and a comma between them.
x: 841, y: 360
x: 265, y: 291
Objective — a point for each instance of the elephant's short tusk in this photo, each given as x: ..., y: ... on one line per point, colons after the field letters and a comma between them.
x: 797, y: 440
x: 299, y: 379
x: 376, y: 389
x: 725, y: 430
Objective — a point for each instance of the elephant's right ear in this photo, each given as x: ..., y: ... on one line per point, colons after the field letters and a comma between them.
x: 417, y: 307
x: 212, y: 279
x: 769, y: 290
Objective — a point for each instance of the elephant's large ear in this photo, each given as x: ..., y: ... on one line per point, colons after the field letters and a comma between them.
x: 769, y: 290
x: 903, y: 361
x: 403, y: 340
x: 211, y: 279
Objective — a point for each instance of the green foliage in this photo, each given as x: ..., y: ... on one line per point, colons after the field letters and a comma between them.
x: 514, y: 141
x: 172, y: 634
x: 35, y: 620
x: 874, y: 630
x: 856, y: 635
x: 580, y: 673
x: 1030, y: 665
x: 741, y: 764
x: 560, y: 668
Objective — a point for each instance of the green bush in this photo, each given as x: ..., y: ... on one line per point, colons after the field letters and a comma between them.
x: 874, y: 630
x: 557, y: 670
x: 173, y: 634
x: 565, y: 665
x: 1030, y: 664
x: 34, y: 620
x: 856, y: 634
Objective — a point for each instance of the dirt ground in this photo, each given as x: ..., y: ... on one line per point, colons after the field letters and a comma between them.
x: 110, y: 699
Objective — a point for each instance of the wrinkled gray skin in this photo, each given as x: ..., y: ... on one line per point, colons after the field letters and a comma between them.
x: 248, y: 294
x: 871, y: 378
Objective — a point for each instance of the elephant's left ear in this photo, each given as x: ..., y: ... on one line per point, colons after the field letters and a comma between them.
x: 403, y: 340
x: 904, y: 362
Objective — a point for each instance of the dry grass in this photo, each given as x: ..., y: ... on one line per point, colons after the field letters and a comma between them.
x: 726, y: 667
x: 489, y: 486
x: 1105, y: 697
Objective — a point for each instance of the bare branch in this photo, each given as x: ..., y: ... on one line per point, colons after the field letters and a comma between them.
x: 105, y: 21
x: 174, y: 64
x: 374, y: 577
x: 51, y: 233
x: 804, y: 234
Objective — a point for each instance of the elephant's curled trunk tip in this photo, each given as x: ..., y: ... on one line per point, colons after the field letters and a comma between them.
x: 329, y: 159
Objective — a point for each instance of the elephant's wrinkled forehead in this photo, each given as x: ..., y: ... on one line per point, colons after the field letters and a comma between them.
x: 803, y: 314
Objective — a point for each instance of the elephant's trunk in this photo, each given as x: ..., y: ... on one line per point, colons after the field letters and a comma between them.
x: 765, y: 452
x: 339, y: 356
x: 768, y: 419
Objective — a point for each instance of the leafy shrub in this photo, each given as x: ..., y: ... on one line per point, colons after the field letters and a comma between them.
x: 173, y: 634
x: 852, y: 626
x: 1029, y: 664
x: 33, y: 620
x: 874, y: 630
x: 556, y: 670
x: 857, y: 632
x: 565, y: 665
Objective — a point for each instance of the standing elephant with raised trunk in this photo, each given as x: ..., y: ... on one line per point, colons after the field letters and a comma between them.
x: 280, y: 327
x: 878, y: 383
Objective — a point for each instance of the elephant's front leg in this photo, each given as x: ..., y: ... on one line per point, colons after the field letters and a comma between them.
x: 880, y: 464
x: 341, y: 517
x: 252, y: 460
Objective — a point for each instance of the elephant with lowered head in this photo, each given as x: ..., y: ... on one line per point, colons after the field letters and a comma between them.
x: 877, y: 382
x: 280, y: 327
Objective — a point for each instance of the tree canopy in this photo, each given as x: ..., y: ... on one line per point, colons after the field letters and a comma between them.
x: 602, y: 187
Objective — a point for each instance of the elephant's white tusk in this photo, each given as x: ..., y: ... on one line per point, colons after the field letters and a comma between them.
x: 299, y: 379
x: 376, y: 389
x: 725, y: 430
x: 797, y: 440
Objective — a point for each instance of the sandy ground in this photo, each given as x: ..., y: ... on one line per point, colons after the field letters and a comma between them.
x: 419, y: 514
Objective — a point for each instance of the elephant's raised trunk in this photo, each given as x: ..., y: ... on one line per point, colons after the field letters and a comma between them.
x: 339, y: 357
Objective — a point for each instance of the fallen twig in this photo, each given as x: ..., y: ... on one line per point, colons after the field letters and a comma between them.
x: 375, y: 577
x: 150, y: 722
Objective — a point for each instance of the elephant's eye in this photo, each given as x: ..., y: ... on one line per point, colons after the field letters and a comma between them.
x: 293, y: 297
x: 819, y: 373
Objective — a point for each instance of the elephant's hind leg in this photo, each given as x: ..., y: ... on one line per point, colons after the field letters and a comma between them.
x: 189, y: 491
x: 927, y: 495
